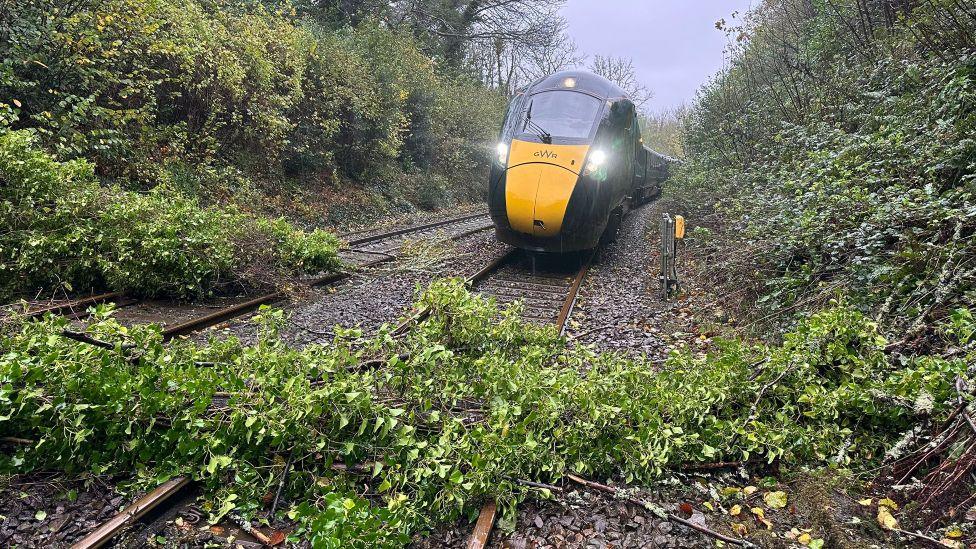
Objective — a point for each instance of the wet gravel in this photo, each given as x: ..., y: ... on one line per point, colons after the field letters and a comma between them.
x: 619, y: 307
x: 52, y: 511
x: 582, y: 519
x: 382, y: 294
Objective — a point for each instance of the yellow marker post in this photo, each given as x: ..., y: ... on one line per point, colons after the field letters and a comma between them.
x: 679, y: 227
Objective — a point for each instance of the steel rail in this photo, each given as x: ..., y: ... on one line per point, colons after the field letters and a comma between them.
x: 570, y: 302
x: 109, y: 529
x: 101, y: 535
x: 482, y: 529
x: 486, y: 518
x: 413, y: 229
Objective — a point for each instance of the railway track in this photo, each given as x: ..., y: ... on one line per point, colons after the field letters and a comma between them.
x: 363, y: 252
x: 549, y: 289
x: 547, y: 286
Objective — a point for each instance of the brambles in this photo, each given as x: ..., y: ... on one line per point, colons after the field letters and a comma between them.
x: 450, y: 413
x: 64, y: 229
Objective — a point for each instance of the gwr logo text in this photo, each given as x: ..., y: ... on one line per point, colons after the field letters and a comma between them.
x: 546, y: 154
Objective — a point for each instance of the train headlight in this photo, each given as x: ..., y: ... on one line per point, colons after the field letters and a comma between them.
x: 502, y: 151
x: 596, y: 161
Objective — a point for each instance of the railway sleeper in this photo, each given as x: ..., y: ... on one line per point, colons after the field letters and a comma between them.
x: 554, y: 304
x: 562, y: 288
x: 493, y: 289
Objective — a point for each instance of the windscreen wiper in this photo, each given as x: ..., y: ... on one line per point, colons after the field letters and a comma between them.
x: 545, y: 136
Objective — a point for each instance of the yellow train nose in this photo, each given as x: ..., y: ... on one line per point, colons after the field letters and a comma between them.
x: 536, y: 197
x: 540, y: 180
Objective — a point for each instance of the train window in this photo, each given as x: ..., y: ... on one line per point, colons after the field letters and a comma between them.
x: 563, y: 113
x: 512, y: 118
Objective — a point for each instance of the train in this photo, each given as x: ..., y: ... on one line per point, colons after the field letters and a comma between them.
x: 569, y: 164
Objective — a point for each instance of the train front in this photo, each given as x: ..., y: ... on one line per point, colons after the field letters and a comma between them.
x: 545, y: 190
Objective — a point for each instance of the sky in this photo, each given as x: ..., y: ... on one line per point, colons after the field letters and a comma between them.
x: 674, y: 44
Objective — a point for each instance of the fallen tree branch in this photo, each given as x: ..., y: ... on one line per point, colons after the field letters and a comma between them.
x: 85, y: 338
x: 281, y: 484
x: 17, y: 441
x: 717, y: 465
x: 533, y: 484
x: 921, y: 536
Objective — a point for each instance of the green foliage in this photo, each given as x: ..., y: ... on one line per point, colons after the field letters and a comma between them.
x: 138, y: 86
x: 300, y: 251
x: 457, y: 408
x: 846, y: 164
x: 63, y: 228
x: 339, y: 521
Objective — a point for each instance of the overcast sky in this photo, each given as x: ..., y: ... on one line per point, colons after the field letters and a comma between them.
x: 674, y: 44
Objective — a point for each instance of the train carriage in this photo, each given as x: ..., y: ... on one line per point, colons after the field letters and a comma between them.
x: 569, y: 164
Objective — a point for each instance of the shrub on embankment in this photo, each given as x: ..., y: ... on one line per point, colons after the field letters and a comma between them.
x: 840, y: 146
x: 63, y: 229
x: 447, y: 415
x: 245, y: 102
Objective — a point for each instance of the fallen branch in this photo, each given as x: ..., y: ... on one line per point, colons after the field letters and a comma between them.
x: 85, y: 338
x: 17, y: 441
x: 281, y: 484
x: 921, y: 536
x: 717, y: 465
x: 671, y: 516
x: 533, y: 484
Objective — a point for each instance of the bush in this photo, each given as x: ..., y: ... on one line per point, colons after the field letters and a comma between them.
x: 63, y: 229
x: 847, y: 170
x: 137, y: 86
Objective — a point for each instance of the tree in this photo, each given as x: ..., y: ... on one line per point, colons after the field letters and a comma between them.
x: 620, y: 71
x: 471, y: 30
x: 664, y: 131
x: 509, y: 66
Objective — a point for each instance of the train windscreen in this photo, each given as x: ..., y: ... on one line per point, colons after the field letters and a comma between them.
x: 562, y: 113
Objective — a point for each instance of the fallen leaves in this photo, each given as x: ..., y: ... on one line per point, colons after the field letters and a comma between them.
x: 886, y: 519
x: 775, y: 500
x: 888, y: 503
x: 760, y: 516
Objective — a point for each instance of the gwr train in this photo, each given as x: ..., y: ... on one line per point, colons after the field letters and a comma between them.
x: 570, y: 163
